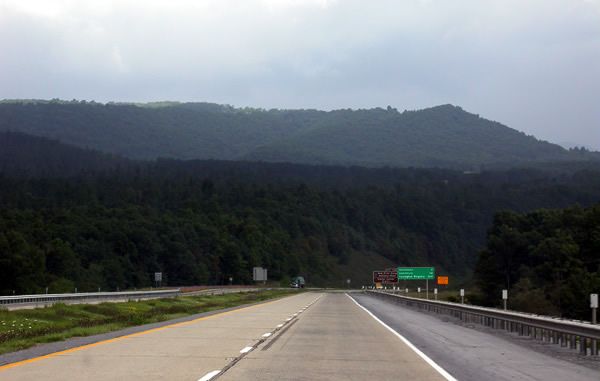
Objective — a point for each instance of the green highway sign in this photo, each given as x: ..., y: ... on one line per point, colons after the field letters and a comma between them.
x: 416, y: 273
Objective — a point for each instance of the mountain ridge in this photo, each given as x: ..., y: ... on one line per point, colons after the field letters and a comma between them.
x: 440, y: 136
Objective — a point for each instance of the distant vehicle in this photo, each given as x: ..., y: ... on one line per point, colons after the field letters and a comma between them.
x: 298, y: 282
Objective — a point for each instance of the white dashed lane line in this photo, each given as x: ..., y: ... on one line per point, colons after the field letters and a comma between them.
x: 247, y: 349
x: 210, y: 375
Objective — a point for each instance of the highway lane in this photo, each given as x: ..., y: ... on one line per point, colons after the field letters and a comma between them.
x: 184, y: 351
x: 472, y: 354
x: 333, y: 340
x: 310, y: 336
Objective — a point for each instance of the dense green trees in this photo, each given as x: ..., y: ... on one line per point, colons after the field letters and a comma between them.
x: 548, y: 259
x: 443, y: 136
x: 76, y: 218
x: 202, y: 225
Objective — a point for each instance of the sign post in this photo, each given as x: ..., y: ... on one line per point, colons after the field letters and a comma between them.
x: 594, y: 306
x: 259, y: 274
x: 158, y: 279
x: 435, y: 293
x: 504, y: 298
x: 462, y: 296
x: 385, y: 276
x: 417, y: 273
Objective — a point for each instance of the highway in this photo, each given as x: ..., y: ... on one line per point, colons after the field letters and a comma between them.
x: 309, y: 336
x: 469, y: 352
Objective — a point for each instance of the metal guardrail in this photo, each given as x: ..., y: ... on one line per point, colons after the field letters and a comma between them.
x: 220, y: 291
x: 576, y: 335
x: 16, y: 300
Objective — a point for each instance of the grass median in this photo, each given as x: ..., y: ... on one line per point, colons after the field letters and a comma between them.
x: 22, y: 329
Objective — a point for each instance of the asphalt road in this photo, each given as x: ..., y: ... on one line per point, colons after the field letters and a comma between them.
x: 310, y: 336
x: 469, y: 353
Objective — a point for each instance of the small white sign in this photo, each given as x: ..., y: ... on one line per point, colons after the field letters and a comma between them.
x: 435, y: 291
x: 505, y: 294
x: 158, y: 277
x: 594, y: 300
x: 462, y: 292
x: 419, y: 289
x: 259, y: 274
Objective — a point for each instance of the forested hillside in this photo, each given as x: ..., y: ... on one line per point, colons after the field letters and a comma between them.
x: 548, y: 259
x: 443, y: 136
x: 115, y: 228
x: 24, y: 155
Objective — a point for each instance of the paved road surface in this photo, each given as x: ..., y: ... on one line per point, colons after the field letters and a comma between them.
x: 333, y: 340
x: 310, y: 336
x: 470, y: 354
x: 320, y: 336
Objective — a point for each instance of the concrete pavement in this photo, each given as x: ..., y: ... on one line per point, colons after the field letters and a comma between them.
x: 333, y: 340
x: 310, y: 336
x: 184, y: 351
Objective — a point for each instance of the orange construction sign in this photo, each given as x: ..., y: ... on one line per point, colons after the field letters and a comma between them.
x: 442, y: 280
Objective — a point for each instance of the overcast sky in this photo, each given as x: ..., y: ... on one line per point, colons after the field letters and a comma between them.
x: 531, y: 64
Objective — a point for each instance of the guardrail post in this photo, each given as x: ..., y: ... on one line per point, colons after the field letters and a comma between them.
x: 594, y: 306
x: 582, y: 345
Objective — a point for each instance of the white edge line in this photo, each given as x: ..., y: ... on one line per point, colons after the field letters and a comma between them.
x: 210, y: 375
x: 246, y: 349
x: 429, y: 361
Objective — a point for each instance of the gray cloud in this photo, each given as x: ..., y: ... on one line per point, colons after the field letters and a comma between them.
x: 534, y: 65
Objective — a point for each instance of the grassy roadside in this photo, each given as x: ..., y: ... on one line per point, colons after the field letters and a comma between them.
x: 22, y: 329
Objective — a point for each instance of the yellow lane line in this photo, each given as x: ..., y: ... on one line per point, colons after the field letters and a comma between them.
x: 86, y: 346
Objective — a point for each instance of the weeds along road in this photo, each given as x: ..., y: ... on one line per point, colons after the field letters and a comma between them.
x: 309, y: 336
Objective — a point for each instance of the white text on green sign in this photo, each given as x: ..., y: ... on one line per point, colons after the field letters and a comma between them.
x: 416, y: 273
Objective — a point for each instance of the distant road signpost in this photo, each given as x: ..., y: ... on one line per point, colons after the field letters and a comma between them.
x: 259, y: 274
x: 158, y: 279
x: 417, y: 273
x: 385, y: 276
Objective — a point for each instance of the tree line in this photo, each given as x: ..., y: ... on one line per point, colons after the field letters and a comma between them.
x: 203, y: 222
x: 549, y: 260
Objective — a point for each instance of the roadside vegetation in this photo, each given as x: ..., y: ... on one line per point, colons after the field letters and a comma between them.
x: 22, y: 329
x: 548, y: 260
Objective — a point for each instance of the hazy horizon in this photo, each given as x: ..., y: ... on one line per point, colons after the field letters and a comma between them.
x: 531, y: 65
